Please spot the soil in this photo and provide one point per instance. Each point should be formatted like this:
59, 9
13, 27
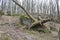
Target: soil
19, 34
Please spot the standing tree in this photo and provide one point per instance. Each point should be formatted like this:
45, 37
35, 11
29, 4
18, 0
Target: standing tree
2, 6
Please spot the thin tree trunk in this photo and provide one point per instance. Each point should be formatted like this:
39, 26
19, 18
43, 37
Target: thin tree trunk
57, 8
2, 6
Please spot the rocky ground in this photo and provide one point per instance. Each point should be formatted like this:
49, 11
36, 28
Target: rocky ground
9, 32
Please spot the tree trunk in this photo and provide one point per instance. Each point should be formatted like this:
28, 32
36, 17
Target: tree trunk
57, 8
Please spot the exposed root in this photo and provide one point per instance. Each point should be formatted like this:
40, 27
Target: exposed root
39, 24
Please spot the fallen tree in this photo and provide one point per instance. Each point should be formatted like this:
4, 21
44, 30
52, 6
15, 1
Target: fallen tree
36, 22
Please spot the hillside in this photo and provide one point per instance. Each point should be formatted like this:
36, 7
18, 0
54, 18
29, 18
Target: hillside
8, 31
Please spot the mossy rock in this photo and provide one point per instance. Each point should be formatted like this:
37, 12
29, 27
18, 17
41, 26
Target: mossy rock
25, 20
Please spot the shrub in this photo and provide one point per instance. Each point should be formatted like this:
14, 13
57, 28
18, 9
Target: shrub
1, 13
8, 14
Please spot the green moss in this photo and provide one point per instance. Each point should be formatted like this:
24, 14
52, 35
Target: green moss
53, 29
5, 38
15, 14
42, 30
31, 32
47, 31
24, 16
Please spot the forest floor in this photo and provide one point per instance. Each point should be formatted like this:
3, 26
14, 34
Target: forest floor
9, 31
